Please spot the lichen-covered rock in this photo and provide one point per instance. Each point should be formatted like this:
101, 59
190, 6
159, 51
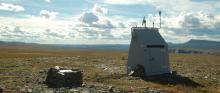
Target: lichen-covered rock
61, 77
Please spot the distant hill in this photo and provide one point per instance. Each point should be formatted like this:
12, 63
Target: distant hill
15, 43
62, 46
197, 44
84, 46
202, 44
192, 44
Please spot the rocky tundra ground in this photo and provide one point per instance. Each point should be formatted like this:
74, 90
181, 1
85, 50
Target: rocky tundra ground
105, 71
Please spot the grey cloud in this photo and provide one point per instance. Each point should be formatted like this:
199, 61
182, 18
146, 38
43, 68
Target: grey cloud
93, 27
92, 33
121, 25
48, 14
11, 7
89, 18
201, 25
196, 25
92, 20
205, 31
99, 9
16, 33
191, 21
105, 25
17, 29
53, 34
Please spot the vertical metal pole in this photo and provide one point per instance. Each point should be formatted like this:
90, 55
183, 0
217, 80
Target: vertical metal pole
160, 18
153, 24
144, 22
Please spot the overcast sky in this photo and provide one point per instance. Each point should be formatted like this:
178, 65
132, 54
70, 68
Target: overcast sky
106, 21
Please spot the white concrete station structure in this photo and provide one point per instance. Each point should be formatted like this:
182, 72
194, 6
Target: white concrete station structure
148, 50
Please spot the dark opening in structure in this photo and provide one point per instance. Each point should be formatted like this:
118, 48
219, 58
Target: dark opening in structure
155, 46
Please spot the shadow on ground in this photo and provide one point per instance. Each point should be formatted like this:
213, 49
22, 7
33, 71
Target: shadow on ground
165, 79
172, 79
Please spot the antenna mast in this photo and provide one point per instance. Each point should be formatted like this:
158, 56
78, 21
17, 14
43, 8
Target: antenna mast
160, 18
144, 22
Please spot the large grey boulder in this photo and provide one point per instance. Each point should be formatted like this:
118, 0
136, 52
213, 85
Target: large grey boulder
61, 77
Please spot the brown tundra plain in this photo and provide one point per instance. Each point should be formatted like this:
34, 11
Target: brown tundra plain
23, 69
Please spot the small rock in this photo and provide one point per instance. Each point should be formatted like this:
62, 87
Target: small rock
84, 84
22, 90
40, 81
41, 71
74, 91
151, 90
110, 88
86, 91
48, 91
105, 68
26, 86
29, 90
91, 86
28, 81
